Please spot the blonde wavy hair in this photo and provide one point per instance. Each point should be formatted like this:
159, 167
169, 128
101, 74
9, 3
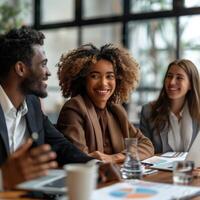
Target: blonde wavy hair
74, 66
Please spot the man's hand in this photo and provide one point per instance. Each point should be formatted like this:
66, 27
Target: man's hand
26, 164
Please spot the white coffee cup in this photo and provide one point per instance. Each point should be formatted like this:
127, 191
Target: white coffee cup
81, 181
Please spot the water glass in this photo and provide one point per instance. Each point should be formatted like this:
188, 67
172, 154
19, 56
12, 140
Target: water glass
131, 168
182, 172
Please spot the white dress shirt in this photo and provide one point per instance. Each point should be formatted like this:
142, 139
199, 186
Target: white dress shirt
15, 121
180, 131
174, 135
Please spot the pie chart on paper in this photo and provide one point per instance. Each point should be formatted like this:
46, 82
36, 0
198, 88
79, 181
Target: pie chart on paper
131, 193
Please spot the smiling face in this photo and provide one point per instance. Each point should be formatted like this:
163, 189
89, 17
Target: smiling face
177, 83
35, 82
101, 82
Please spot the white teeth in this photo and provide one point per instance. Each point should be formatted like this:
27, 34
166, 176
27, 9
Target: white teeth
172, 89
102, 91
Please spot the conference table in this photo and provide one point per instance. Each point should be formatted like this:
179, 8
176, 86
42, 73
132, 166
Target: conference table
160, 176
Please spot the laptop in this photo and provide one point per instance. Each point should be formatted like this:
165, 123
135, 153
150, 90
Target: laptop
194, 152
166, 160
158, 162
53, 183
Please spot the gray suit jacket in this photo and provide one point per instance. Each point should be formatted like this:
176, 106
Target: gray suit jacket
160, 141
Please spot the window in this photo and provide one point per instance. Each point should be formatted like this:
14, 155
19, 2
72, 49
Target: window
57, 42
193, 3
27, 14
57, 11
155, 31
101, 8
138, 6
190, 39
153, 48
101, 34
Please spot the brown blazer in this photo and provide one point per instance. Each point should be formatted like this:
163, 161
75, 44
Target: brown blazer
79, 123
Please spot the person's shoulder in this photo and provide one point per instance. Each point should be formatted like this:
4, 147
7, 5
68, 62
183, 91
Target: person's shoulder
147, 108
75, 103
118, 108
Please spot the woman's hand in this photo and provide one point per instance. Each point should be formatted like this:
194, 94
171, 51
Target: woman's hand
114, 158
109, 172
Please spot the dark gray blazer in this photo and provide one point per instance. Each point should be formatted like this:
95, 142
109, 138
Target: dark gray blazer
38, 122
160, 141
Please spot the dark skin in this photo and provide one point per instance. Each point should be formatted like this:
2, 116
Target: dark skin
26, 164
23, 79
109, 172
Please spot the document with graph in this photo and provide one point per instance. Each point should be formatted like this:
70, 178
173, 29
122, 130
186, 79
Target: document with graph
139, 190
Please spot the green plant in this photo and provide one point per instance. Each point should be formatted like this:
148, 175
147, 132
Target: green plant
11, 15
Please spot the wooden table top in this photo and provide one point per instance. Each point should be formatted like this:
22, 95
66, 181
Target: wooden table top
160, 176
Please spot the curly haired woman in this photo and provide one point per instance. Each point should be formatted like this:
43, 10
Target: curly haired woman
98, 81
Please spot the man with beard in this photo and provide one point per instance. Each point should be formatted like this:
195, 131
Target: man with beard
23, 76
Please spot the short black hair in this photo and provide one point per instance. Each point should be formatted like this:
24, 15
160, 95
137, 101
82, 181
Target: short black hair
16, 45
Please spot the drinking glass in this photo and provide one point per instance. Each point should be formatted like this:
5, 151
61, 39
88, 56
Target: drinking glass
131, 168
182, 172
